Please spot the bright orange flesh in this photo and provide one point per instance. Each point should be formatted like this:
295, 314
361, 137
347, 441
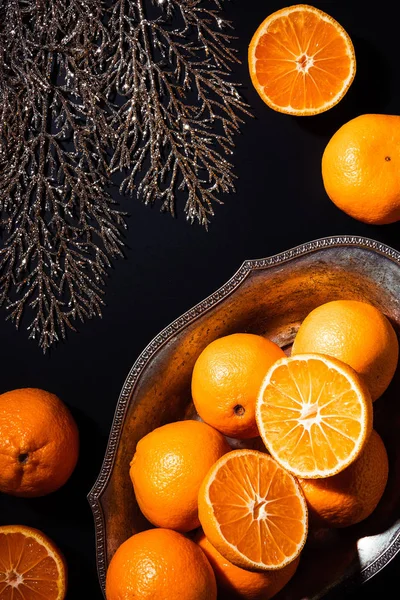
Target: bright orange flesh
31, 567
301, 60
314, 414
253, 511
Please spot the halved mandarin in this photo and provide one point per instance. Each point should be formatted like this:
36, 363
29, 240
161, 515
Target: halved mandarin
31, 566
314, 414
253, 511
301, 60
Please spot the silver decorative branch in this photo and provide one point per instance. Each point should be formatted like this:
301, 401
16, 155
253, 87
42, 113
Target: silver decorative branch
148, 81
180, 111
60, 227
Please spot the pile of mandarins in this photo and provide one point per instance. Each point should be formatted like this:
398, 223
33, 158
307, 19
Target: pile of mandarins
235, 521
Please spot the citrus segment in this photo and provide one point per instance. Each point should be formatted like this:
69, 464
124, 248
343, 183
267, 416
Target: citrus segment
314, 414
301, 60
31, 567
253, 511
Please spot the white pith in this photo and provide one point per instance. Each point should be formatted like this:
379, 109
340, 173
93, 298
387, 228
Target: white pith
13, 579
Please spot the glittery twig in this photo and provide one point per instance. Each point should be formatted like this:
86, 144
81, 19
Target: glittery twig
60, 227
148, 81
175, 127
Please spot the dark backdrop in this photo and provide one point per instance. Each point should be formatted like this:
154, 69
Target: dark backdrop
171, 265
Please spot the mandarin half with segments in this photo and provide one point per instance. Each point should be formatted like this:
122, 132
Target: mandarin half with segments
31, 566
301, 60
253, 511
314, 414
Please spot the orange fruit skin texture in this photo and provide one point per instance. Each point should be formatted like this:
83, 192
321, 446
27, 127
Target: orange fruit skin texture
353, 494
39, 442
160, 564
356, 333
168, 468
34, 558
361, 168
226, 379
235, 583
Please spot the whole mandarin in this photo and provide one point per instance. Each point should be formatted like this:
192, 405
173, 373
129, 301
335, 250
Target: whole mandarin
361, 168
168, 468
353, 494
235, 583
160, 564
226, 380
39, 442
356, 333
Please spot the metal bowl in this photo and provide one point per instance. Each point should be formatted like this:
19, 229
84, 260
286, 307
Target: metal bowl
271, 297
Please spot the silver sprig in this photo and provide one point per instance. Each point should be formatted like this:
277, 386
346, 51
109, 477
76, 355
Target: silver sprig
60, 227
170, 60
65, 66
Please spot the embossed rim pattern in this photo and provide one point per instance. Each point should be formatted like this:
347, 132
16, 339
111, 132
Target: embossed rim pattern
168, 332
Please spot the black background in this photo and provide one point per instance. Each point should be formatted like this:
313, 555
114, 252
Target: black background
171, 265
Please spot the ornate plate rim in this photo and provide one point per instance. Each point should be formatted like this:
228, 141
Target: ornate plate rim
94, 495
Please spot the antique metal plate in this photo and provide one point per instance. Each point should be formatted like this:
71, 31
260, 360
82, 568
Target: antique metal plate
271, 297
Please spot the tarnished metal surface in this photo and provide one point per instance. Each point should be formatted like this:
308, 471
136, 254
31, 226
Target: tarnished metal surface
270, 297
